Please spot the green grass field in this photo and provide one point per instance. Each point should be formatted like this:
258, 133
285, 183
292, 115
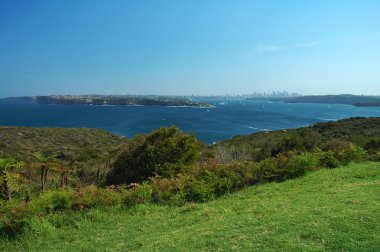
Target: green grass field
335, 210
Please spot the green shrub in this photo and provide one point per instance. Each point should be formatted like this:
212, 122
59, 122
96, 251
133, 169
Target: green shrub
139, 194
327, 159
51, 201
372, 146
280, 168
218, 184
287, 143
302, 140
204, 183
306, 162
14, 215
228, 177
355, 153
198, 191
169, 190
243, 173
92, 196
375, 157
344, 151
13, 218
165, 152
266, 171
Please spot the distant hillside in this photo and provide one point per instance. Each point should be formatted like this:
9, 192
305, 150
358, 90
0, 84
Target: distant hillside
355, 100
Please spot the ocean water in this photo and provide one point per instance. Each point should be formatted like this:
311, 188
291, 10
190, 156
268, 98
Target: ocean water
229, 117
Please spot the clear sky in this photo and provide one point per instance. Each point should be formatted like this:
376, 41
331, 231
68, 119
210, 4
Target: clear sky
189, 47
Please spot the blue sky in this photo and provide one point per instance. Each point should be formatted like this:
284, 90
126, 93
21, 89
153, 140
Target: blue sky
189, 47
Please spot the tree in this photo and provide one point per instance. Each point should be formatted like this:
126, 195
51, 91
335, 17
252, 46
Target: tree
7, 166
42, 163
46, 163
165, 152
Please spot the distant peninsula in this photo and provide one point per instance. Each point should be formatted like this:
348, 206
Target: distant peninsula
113, 100
348, 99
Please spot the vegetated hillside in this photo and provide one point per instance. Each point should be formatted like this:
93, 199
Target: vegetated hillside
170, 167
79, 155
327, 210
73, 143
258, 146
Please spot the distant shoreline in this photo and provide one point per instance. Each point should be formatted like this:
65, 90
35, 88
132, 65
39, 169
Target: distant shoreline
111, 100
354, 100
173, 101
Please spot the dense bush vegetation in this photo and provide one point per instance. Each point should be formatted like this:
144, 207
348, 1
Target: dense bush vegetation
258, 146
74, 144
81, 156
171, 167
165, 152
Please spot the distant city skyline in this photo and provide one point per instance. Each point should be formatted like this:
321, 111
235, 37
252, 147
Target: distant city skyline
272, 93
189, 48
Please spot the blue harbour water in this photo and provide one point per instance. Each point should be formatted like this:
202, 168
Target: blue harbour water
229, 117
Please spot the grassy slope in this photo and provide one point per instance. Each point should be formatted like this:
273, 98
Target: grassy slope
325, 210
